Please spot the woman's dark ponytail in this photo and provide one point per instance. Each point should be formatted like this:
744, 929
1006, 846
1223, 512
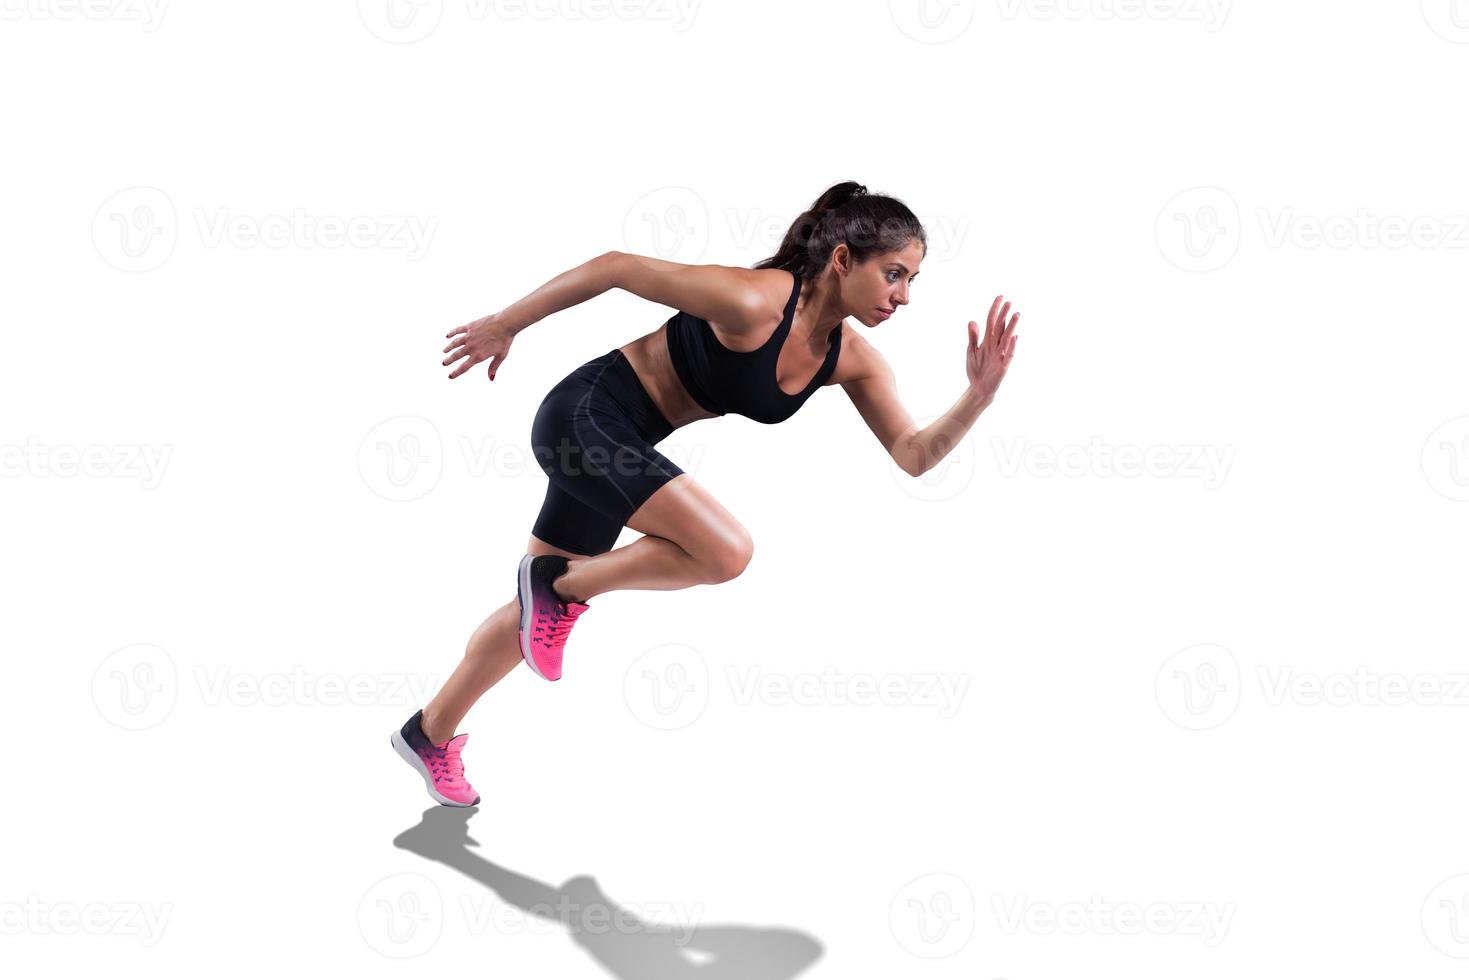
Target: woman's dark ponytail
845, 213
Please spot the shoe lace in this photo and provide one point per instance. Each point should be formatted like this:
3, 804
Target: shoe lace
557, 626
447, 764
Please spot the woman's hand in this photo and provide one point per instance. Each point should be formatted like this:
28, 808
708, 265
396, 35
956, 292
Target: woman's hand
988, 361
489, 336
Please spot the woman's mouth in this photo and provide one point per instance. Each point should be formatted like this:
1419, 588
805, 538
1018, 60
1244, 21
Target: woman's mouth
884, 314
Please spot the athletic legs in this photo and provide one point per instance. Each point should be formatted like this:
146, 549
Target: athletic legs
689, 539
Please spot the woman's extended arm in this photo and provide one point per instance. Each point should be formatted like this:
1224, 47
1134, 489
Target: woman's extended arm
918, 450
490, 336
728, 294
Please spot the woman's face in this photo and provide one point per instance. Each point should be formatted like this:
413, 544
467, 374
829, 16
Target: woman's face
874, 289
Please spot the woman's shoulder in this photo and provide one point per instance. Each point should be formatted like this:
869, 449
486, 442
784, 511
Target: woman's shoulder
856, 359
771, 290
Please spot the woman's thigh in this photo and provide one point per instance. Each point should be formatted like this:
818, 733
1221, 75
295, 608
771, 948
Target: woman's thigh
686, 513
598, 457
594, 436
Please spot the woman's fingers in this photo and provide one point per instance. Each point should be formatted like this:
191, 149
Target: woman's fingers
1008, 331
455, 343
470, 360
462, 329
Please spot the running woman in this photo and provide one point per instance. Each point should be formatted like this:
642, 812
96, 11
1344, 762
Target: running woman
754, 342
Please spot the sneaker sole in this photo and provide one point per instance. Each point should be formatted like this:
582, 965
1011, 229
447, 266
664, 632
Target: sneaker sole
522, 592
411, 757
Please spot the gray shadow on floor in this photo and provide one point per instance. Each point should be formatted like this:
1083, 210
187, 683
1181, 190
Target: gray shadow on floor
625, 945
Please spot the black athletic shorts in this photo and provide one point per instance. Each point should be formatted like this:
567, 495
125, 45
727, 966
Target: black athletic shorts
593, 436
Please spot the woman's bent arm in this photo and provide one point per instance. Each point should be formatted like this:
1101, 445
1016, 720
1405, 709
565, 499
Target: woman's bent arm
918, 450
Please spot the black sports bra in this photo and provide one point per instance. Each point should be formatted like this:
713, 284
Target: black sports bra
743, 382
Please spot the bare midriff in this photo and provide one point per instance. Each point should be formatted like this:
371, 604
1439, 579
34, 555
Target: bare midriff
649, 358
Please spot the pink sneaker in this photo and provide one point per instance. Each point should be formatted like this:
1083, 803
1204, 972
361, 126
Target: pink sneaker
545, 618
440, 766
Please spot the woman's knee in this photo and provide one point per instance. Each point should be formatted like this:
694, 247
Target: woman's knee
730, 556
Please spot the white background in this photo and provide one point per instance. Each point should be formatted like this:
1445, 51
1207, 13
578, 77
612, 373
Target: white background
1178, 687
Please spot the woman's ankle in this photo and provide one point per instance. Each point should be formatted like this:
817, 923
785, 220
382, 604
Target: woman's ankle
428, 723
567, 585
